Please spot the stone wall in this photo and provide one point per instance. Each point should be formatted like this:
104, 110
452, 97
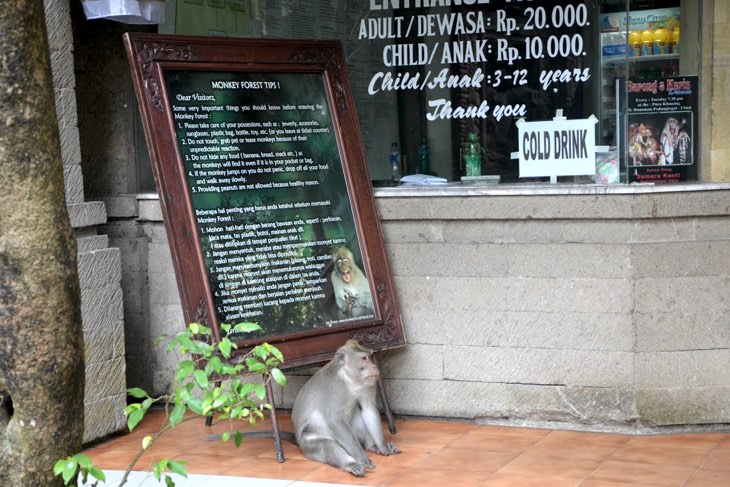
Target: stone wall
608, 310
99, 265
599, 311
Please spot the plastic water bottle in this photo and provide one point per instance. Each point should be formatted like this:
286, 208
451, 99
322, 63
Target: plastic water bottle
472, 155
395, 171
423, 162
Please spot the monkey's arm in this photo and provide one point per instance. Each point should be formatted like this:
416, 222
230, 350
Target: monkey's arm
372, 431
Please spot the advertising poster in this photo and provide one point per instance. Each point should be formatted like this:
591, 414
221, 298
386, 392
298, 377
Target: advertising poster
662, 129
270, 199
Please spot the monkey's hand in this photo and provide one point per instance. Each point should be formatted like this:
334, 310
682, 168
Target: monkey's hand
389, 449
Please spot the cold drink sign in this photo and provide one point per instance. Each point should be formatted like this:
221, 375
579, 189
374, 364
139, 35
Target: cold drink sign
559, 147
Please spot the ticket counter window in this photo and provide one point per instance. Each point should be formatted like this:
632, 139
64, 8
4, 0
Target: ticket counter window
433, 80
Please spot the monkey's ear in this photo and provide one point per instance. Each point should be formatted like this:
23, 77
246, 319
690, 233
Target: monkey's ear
340, 357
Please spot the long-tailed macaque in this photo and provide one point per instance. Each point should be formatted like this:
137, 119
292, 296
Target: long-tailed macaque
350, 286
335, 415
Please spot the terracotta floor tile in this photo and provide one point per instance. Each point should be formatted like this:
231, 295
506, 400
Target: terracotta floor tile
462, 459
661, 454
270, 469
438, 478
706, 441
382, 474
561, 439
444, 453
709, 478
643, 473
506, 480
406, 458
579, 445
543, 464
606, 483
447, 428
718, 459
516, 431
485, 439
725, 444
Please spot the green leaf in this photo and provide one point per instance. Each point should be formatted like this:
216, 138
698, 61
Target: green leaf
201, 378
246, 327
70, 467
137, 392
277, 353
177, 467
261, 351
134, 418
177, 414
82, 460
257, 368
195, 405
225, 347
97, 473
169, 482
220, 401
215, 364
157, 468
260, 391
130, 408
226, 436
194, 327
238, 438
58, 467
278, 376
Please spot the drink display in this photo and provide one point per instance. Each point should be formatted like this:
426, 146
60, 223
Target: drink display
634, 43
661, 41
647, 42
651, 41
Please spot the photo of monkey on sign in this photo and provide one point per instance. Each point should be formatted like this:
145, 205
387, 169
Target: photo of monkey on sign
335, 414
350, 286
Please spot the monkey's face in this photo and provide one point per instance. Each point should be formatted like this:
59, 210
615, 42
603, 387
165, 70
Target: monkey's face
367, 370
343, 264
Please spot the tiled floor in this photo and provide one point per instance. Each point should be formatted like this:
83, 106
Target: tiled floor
441, 453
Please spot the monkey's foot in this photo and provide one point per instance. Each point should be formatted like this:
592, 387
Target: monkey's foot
358, 469
390, 449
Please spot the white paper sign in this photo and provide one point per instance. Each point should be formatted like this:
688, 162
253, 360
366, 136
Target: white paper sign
558, 147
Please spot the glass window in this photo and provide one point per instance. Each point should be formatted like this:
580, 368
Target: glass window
432, 78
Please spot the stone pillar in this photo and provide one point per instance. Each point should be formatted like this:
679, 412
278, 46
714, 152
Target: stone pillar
99, 265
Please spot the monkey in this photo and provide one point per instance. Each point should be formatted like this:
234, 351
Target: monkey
350, 286
335, 415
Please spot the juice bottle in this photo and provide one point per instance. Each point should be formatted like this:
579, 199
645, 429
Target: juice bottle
634, 43
660, 43
647, 42
674, 40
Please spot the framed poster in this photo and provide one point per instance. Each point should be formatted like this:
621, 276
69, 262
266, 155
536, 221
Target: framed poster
264, 187
662, 129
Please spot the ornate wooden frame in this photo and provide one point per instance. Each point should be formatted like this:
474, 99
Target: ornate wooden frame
150, 57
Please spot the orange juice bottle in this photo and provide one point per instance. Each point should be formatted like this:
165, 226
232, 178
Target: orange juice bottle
661, 41
647, 42
674, 40
634, 43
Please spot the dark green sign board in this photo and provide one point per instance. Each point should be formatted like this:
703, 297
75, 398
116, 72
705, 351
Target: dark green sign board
267, 201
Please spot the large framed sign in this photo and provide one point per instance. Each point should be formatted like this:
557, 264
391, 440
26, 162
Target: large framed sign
258, 160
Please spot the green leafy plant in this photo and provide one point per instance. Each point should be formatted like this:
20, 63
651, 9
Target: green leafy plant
209, 383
